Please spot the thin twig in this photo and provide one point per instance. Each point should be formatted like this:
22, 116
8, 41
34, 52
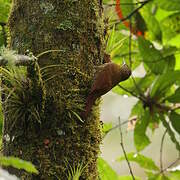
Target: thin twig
132, 13
126, 54
132, 93
161, 150
130, 59
170, 132
127, 90
117, 126
137, 87
172, 164
135, 10
128, 4
130, 40
122, 145
153, 61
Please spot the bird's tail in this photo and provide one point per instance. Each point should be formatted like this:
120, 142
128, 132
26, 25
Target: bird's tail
89, 103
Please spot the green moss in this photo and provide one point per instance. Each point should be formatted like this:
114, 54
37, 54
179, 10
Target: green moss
66, 25
46, 7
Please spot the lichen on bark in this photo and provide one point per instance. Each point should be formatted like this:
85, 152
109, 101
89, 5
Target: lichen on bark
73, 32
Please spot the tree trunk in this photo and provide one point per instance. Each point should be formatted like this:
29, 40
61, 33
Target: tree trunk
46, 129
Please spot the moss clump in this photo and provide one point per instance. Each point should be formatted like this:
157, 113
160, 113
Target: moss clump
66, 25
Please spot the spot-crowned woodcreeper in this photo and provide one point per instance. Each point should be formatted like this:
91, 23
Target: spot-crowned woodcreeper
106, 77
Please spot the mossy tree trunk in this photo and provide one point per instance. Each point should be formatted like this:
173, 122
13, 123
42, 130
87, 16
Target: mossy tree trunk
74, 30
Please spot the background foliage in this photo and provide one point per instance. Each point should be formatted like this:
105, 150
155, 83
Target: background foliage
158, 91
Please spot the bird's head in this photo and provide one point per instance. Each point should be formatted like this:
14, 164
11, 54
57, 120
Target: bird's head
125, 72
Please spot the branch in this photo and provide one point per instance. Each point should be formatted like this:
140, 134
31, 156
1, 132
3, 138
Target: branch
125, 155
175, 107
172, 164
130, 42
132, 13
19, 60
23, 60
146, 100
126, 54
166, 108
128, 4
135, 10
161, 150
139, 89
132, 93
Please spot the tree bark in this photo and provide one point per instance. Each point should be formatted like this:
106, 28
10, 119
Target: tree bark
73, 31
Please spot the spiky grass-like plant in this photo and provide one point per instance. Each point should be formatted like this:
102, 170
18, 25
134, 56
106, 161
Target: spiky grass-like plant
75, 171
18, 100
22, 92
74, 105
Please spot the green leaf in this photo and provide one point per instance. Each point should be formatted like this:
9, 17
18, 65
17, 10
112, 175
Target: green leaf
151, 56
105, 170
152, 176
126, 10
169, 51
106, 127
123, 52
168, 5
140, 138
161, 14
140, 159
137, 109
159, 177
163, 177
4, 10
175, 121
177, 67
1, 37
170, 26
115, 43
128, 178
170, 63
106, 1
111, 40
154, 30
158, 61
128, 84
175, 41
116, 47
164, 82
175, 175
77, 116
18, 163
175, 98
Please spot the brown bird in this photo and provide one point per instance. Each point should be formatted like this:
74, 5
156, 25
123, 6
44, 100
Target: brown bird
106, 77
